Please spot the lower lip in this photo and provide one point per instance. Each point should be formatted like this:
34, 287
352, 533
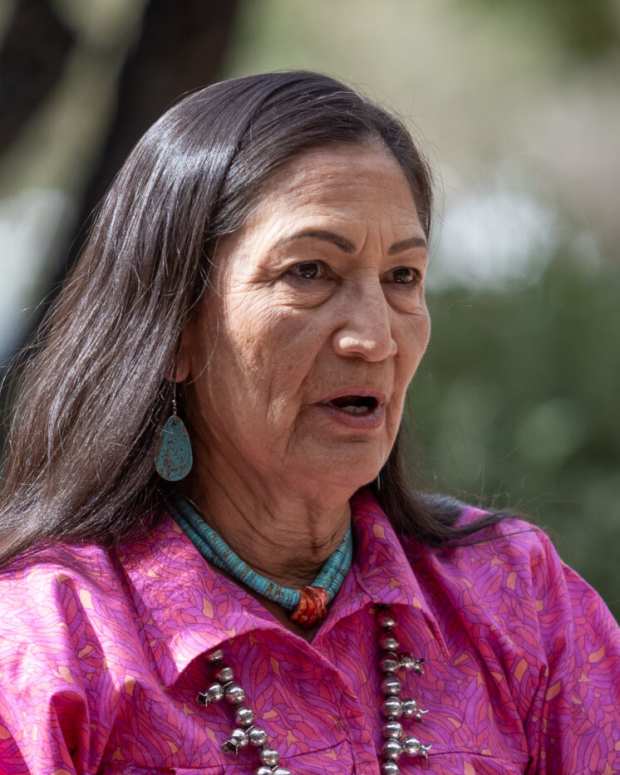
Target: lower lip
369, 421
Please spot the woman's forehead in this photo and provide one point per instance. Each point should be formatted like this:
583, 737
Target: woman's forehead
325, 168
333, 182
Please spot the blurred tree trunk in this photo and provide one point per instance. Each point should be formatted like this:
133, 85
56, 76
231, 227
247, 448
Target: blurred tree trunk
180, 47
36, 46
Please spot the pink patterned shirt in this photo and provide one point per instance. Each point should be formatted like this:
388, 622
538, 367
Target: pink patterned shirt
102, 654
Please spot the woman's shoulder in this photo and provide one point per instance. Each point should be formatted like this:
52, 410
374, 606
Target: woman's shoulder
57, 585
481, 532
59, 563
69, 643
510, 568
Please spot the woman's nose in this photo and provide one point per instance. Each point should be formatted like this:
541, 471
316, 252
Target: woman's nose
367, 330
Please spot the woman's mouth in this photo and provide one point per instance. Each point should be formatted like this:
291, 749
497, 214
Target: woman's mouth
363, 412
355, 405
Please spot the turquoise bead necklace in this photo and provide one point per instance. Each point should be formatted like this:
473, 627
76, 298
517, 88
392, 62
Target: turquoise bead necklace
214, 549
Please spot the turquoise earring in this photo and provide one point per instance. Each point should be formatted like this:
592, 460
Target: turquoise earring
174, 458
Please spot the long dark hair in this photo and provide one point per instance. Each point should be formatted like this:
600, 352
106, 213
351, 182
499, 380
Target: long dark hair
92, 396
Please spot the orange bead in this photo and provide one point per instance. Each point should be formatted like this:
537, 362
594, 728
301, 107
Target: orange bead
312, 607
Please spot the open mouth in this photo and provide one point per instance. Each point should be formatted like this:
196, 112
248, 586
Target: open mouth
354, 405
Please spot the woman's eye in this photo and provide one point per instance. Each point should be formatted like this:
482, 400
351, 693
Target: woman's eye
405, 275
308, 270
317, 270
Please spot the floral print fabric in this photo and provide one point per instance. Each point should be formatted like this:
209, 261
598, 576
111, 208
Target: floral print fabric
102, 654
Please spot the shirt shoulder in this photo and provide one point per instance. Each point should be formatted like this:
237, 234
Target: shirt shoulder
509, 542
509, 577
67, 641
61, 611
549, 645
29, 581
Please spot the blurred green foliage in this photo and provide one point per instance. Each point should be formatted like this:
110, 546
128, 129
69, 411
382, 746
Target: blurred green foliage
586, 31
516, 406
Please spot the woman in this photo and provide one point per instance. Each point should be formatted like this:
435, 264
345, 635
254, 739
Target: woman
262, 592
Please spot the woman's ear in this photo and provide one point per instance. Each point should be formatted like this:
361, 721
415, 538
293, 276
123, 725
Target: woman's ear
182, 368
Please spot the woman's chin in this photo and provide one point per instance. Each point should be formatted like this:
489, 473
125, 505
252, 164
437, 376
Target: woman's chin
341, 478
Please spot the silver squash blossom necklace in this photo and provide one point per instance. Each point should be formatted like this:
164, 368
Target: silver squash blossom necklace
310, 607
394, 709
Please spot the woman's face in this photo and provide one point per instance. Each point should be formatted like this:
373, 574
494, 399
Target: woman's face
301, 353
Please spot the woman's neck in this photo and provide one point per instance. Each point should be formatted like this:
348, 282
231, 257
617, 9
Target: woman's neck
281, 537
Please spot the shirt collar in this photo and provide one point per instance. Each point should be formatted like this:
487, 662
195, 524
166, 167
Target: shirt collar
384, 573
186, 607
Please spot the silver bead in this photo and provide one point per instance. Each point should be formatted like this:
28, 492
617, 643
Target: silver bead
240, 736
387, 621
213, 693
237, 740
390, 768
262, 770
216, 656
389, 643
269, 757
281, 771
408, 662
389, 664
392, 749
391, 686
225, 675
411, 709
257, 736
393, 729
244, 717
392, 707
413, 747
234, 694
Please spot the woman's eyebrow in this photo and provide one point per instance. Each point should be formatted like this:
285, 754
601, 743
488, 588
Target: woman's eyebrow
344, 244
